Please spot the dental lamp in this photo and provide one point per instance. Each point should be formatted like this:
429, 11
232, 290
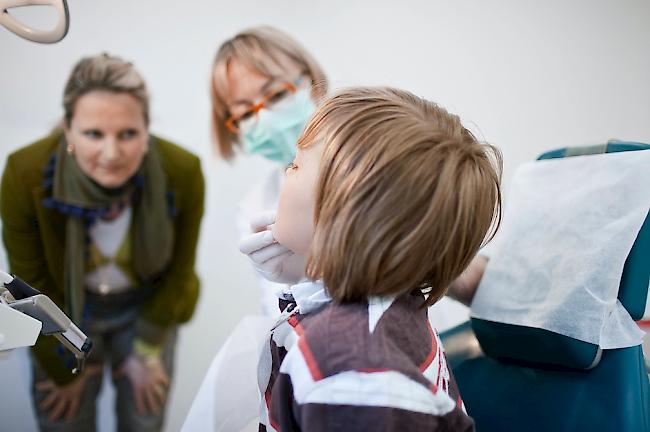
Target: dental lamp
41, 36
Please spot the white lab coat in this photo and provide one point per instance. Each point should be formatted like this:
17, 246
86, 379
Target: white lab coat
264, 196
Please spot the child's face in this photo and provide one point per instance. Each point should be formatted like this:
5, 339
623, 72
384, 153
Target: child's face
294, 224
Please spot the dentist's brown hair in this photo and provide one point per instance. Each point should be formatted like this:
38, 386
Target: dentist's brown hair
405, 198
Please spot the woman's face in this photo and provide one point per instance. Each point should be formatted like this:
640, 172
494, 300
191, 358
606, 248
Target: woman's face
108, 136
247, 86
294, 223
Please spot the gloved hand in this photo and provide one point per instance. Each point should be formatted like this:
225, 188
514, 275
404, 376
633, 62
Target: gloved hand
269, 258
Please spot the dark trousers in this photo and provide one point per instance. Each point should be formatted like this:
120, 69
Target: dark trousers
110, 325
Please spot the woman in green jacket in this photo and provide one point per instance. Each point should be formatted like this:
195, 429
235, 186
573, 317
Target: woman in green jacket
104, 218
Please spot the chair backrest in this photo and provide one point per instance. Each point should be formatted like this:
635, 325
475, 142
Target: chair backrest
633, 289
545, 349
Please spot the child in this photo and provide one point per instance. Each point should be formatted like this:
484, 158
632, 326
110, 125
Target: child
390, 197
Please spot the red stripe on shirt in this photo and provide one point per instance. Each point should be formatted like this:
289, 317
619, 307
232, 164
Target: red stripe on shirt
267, 399
434, 348
293, 322
440, 369
309, 358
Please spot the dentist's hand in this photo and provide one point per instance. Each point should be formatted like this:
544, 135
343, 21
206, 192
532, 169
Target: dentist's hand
269, 258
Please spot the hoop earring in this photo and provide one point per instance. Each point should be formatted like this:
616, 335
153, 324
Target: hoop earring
70, 149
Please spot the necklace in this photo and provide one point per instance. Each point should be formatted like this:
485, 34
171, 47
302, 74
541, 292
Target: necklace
104, 270
106, 261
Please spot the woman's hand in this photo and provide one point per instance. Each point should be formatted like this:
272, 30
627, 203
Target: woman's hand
149, 381
63, 401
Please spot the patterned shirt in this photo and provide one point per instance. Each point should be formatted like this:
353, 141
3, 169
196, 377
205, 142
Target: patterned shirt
371, 366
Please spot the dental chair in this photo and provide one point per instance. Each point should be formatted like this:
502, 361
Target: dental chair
515, 378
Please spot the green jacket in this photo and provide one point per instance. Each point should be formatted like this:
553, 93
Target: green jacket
34, 237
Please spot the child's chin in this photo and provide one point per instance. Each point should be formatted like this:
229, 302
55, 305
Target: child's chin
290, 239
280, 235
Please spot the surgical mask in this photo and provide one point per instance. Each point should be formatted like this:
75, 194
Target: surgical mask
276, 131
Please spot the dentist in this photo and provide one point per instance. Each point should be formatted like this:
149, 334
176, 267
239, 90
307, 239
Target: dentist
264, 88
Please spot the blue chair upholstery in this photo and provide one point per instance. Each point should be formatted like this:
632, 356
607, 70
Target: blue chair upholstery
536, 380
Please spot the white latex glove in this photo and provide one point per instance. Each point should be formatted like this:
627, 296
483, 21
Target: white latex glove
269, 258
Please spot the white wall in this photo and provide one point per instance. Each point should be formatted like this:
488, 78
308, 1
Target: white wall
528, 75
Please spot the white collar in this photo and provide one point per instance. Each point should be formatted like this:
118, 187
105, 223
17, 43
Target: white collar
308, 295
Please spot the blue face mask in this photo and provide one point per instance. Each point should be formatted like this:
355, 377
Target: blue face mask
276, 130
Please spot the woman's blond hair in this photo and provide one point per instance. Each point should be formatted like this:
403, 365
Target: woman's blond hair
265, 50
405, 197
108, 73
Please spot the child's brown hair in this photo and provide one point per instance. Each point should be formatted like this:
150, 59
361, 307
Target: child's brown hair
405, 198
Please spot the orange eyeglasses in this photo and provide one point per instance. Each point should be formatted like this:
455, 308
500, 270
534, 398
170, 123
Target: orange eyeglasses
271, 100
